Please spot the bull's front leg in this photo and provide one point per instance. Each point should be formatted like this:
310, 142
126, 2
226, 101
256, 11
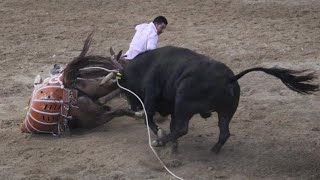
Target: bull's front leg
149, 102
178, 127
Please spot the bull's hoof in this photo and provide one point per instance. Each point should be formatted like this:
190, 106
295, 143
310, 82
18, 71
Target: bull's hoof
216, 149
139, 114
161, 133
157, 143
174, 148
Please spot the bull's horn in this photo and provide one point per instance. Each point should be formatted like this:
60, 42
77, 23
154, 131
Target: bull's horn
107, 78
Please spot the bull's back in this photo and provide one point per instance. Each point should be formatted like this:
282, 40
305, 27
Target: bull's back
169, 67
173, 61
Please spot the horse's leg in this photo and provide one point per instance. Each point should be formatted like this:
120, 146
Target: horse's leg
92, 88
86, 112
108, 97
88, 86
109, 115
91, 114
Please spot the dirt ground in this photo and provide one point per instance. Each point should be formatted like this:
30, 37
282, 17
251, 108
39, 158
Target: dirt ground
275, 132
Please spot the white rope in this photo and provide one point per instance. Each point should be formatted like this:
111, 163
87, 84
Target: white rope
144, 110
108, 70
116, 71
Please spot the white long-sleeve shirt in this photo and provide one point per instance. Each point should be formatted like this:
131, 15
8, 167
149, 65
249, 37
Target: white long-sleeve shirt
145, 38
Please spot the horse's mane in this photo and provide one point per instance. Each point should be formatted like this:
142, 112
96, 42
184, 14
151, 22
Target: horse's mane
72, 70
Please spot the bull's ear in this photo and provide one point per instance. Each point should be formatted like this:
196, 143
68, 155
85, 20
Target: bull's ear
112, 52
119, 55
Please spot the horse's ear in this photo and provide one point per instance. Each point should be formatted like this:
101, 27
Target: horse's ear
112, 52
119, 55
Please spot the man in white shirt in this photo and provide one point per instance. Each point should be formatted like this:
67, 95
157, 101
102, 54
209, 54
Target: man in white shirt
146, 37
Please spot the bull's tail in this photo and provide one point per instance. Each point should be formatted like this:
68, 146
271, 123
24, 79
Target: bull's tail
296, 80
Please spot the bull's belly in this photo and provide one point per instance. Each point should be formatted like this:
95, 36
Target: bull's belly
164, 108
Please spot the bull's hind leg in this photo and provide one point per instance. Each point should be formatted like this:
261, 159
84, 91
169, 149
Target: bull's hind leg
224, 120
227, 106
174, 147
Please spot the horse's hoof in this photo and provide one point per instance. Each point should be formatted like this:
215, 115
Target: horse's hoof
161, 133
37, 80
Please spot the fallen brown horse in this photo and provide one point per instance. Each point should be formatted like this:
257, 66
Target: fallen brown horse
76, 97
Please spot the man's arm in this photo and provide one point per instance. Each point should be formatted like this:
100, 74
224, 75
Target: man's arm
152, 43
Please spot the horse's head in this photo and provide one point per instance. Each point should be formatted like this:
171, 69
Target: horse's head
114, 56
118, 58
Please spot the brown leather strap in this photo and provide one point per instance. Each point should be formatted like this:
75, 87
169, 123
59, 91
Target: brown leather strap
69, 98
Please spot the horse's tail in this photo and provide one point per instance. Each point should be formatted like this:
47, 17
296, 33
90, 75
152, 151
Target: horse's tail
71, 71
86, 45
296, 80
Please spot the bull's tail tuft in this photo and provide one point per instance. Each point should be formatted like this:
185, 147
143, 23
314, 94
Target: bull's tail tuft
300, 81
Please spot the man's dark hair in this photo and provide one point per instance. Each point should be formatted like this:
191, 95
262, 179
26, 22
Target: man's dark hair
160, 19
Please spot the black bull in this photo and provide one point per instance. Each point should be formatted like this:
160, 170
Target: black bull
182, 83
